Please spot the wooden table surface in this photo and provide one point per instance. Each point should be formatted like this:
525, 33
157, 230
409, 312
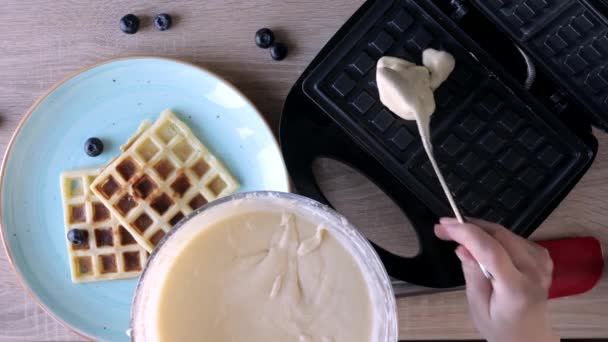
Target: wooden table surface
42, 41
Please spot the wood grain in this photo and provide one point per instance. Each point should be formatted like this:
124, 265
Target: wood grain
43, 41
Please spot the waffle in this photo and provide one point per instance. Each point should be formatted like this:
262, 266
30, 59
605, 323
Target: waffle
110, 252
163, 174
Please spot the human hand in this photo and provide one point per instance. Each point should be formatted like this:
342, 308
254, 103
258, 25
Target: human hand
512, 307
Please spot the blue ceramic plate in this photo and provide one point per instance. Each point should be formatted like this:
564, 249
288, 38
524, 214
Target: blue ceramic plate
109, 101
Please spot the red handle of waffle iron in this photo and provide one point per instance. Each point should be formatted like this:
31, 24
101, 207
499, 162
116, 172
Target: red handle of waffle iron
578, 265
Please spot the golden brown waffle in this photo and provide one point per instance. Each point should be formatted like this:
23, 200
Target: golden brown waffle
111, 252
163, 174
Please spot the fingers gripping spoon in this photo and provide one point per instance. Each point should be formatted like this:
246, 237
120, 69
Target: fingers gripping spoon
407, 90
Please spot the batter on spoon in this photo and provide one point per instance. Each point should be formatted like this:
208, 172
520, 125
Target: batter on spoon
407, 90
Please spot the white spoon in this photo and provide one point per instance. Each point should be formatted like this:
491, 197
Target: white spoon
407, 90
424, 124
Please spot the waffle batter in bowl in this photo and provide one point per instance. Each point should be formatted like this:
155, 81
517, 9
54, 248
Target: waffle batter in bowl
264, 267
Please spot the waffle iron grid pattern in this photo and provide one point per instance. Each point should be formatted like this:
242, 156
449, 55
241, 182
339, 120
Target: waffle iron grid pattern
165, 174
498, 156
110, 252
495, 161
568, 37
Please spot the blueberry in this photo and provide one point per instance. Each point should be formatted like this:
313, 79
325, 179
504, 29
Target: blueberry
278, 51
264, 38
129, 24
93, 147
78, 236
162, 21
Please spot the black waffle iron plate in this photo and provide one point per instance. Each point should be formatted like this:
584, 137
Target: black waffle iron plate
512, 130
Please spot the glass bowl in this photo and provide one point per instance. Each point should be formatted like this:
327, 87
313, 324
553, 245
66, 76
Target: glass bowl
379, 285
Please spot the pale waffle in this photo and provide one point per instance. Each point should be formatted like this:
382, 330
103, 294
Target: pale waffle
163, 174
110, 251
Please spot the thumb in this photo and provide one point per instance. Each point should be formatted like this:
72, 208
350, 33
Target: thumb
478, 287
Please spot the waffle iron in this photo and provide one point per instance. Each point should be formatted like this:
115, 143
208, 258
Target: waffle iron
512, 130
